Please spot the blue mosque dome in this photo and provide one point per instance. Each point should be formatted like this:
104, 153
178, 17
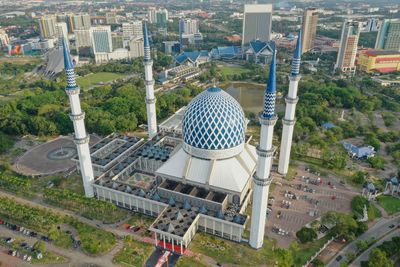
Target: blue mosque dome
214, 121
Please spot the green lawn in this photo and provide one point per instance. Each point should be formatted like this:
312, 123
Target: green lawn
95, 78
307, 250
232, 70
228, 252
390, 204
186, 261
49, 258
134, 253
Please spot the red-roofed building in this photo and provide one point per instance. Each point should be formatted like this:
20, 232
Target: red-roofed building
381, 61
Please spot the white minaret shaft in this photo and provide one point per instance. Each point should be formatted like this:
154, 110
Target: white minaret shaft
77, 116
149, 83
289, 120
265, 151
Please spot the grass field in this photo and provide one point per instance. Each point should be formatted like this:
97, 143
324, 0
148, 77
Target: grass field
186, 261
390, 204
94, 78
222, 250
133, 253
232, 70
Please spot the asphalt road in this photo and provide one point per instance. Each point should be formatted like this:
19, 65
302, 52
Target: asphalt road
364, 256
377, 231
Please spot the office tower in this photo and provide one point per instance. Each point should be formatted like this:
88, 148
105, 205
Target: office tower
101, 39
289, 120
47, 25
4, 40
111, 18
78, 116
152, 15
309, 29
188, 26
132, 29
257, 22
389, 35
348, 47
136, 47
61, 30
262, 178
82, 38
149, 83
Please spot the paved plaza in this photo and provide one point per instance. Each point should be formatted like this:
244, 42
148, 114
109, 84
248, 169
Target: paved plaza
301, 200
49, 158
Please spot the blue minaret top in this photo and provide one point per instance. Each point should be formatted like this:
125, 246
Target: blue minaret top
270, 90
297, 57
146, 43
69, 67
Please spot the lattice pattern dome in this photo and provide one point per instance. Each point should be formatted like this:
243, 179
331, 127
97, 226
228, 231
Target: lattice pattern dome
214, 121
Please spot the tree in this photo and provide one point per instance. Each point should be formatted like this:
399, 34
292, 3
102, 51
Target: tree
358, 178
40, 245
357, 205
378, 258
377, 162
283, 257
306, 235
5, 143
318, 263
362, 245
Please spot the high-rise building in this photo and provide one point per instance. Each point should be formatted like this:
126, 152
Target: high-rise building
309, 29
4, 40
371, 25
101, 39
152, 15
136, 48
265, 151
82, 38
289, 119
389, 35
111, 18
78, 118
47, 25
132, 29
78, 21
188, 26
257, 23
162, 21
346, 57
61, 30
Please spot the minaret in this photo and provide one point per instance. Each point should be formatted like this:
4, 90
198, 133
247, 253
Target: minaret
265, 151
149, 82
77, 116
289, 120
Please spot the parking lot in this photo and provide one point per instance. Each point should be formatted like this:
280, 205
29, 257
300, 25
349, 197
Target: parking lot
299, 201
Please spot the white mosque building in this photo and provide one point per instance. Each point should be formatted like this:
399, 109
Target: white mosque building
197, 170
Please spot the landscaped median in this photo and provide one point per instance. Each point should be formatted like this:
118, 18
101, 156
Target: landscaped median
94, 241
